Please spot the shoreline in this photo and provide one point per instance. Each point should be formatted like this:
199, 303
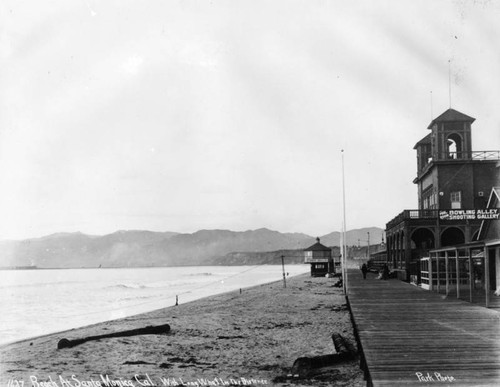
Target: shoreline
255, 335
137, 292
20, 341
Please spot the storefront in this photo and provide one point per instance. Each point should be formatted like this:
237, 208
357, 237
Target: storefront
471, 271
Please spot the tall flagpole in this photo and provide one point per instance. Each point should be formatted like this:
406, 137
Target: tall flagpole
344, 250
342, 255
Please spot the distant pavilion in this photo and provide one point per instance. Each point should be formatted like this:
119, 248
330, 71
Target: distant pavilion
320, 258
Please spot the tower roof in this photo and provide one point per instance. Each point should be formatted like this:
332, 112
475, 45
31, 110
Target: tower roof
451, 115
317, 247
425, 140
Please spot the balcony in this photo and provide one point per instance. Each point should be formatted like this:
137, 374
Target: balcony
491, 155
468, 155
412, 214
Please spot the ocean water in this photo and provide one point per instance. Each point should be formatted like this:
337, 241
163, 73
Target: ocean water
38, 302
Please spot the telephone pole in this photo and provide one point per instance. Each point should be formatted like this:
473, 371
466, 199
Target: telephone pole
368, 252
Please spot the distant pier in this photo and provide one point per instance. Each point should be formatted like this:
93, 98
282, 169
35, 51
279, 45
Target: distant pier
19, 268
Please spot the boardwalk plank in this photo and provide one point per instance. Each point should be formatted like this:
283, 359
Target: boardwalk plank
408, 334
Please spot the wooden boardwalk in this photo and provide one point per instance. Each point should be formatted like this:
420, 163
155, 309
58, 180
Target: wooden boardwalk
411, 336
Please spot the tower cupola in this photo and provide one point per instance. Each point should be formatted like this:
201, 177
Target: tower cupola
451, 136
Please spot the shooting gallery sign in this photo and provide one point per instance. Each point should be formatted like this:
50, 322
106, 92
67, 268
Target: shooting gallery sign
490, 214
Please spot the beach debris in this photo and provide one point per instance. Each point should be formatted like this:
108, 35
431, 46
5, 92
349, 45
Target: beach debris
338, 284
317, 306
149, 330
230, 337
307, 366
343, 347
180, 362
339, 308
137, 362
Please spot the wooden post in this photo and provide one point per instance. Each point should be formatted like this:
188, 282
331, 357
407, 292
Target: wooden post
447, 272
283, 267
368, 250
497, 271
438, 274
430, 272
487, 276
471, 276
458, 273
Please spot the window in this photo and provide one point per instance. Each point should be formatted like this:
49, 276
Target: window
433, 200
456, 200
429, 198
454, 145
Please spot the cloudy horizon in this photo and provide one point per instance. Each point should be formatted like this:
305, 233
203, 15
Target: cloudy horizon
189, 115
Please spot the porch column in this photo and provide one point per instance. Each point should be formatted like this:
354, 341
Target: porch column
457, 266
471, 275
438, 287
398, 249
430, 272
447, 272
497, 267
487, 275
407, 252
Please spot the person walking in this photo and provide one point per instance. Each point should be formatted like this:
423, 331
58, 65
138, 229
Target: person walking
364, 270
385, 272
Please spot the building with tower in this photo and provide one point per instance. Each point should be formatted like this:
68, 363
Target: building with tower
454, 185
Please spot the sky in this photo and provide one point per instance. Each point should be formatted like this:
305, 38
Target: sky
188, 115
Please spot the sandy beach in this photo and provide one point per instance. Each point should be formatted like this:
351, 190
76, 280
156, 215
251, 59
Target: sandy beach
247, 338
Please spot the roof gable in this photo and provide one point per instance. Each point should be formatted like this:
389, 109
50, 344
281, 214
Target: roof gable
451, 115
425, 140
318, 247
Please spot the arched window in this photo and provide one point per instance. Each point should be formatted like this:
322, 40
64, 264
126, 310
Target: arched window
452, 236
454, 146
423, 239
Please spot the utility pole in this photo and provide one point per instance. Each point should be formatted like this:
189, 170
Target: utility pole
283, 267
344, 244
368, 252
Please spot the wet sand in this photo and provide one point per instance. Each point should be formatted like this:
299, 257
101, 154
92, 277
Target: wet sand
247, 338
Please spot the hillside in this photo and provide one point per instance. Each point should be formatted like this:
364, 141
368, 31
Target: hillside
147, 248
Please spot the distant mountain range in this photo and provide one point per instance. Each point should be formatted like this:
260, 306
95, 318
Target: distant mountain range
147, 248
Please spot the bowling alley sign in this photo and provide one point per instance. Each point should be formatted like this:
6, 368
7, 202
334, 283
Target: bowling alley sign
485, 214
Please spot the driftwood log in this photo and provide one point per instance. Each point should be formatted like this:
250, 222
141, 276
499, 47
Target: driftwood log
305, 366
343, 347
149, 330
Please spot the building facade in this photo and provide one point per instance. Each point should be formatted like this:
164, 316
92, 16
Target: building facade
453, 184
320, 259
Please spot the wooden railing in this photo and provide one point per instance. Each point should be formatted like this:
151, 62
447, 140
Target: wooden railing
462, 156
412, 214
469, 155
